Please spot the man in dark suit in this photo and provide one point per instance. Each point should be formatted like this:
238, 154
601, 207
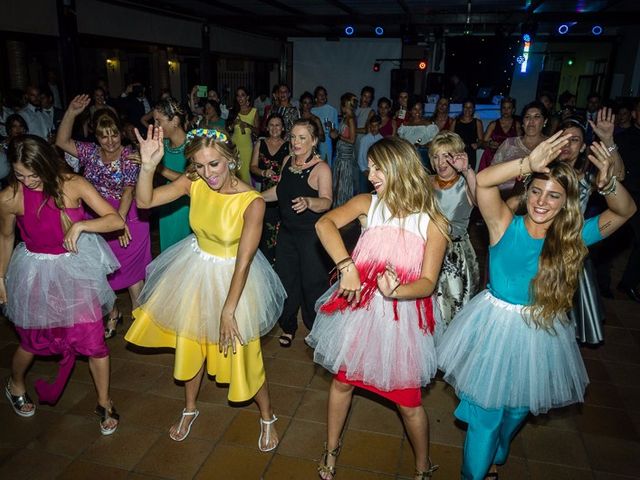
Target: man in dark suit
54, 114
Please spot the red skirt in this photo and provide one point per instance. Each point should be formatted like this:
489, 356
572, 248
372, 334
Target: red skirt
406, 397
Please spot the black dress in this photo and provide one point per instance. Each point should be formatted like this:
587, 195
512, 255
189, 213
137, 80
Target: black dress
267, 161
301, 262
469, 134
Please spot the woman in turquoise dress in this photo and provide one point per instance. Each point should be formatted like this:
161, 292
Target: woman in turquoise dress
511, 350
174, 217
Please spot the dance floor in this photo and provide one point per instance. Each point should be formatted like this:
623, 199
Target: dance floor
597, 440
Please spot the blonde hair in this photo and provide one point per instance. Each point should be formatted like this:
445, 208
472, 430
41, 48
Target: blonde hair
408, 188
449, 141
225, 148
563, 252
106, 123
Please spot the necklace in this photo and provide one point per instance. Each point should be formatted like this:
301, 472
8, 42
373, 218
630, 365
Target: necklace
298, 169
444, 184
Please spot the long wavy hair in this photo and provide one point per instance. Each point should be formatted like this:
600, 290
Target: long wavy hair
563, 252
408, 187
225, 148
42, 159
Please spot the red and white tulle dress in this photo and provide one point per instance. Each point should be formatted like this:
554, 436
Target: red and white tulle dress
383, 345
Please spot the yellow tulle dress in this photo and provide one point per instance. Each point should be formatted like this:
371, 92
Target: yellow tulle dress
187, 285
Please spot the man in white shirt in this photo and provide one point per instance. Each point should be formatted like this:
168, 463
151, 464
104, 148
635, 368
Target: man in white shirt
37, 121
367, 140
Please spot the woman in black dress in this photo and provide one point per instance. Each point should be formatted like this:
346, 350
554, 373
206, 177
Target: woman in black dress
268, 156
303, 193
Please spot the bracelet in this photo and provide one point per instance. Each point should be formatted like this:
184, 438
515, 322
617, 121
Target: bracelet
609, 188
612, 148
345, 266
344, 261
521, 175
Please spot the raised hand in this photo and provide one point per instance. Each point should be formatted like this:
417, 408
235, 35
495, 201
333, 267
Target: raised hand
459, 162
601, 158
604, 125
78, 104
151, 148
546, 152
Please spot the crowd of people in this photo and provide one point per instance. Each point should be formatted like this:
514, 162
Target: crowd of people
251, 202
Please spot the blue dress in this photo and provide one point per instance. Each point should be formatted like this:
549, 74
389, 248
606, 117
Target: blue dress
501, 366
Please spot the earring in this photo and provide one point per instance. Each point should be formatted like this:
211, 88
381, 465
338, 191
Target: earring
232, 165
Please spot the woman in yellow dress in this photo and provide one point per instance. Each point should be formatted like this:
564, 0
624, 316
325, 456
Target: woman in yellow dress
242, 123
212, 295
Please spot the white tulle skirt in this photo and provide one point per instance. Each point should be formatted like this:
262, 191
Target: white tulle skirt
186, 288
370, 346
493, 358
50, 291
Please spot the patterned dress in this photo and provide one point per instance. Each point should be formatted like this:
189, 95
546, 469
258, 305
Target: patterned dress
110, 180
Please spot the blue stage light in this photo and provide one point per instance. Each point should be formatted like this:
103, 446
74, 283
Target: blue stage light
563, 29
596, 30
526, 37
379, 31
349, 30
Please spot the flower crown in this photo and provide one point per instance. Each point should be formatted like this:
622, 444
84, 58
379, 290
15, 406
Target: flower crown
207, 132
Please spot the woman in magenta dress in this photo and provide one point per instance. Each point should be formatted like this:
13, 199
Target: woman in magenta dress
499, 130
56, 289
375, 327
110, 169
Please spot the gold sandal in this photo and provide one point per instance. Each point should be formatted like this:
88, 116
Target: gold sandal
428, 473
323, 468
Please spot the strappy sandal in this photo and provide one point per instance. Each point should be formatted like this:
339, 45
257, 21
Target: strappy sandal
265, 430
323, 468
285, 340
19, 401
111, 332
428, 473
105, 415
185, 414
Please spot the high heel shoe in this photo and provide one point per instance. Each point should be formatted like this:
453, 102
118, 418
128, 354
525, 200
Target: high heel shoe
112, 326
105, 415
427, 473
323, 468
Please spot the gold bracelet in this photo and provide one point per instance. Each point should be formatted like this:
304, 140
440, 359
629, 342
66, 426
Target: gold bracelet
346, 259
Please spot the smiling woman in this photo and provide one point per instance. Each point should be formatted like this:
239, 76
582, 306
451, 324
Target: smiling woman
229, 295
511, 350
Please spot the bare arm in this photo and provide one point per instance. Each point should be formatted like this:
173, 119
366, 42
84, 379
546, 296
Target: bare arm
604, 128
621, 206
7, 235
351, 127
328, 230
254, 168
323, 201
249, 240
63, 137
489, 132
424, 286
494, 210
271, 194
460, 163
151, 153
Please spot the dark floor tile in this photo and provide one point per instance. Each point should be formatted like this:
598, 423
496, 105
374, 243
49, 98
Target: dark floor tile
612, 455
80, 469
608, 422
33, 465
175, 460
234, 463
554, 446
123, 449
548, 471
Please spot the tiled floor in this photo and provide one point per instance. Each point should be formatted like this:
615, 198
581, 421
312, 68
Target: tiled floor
599, 440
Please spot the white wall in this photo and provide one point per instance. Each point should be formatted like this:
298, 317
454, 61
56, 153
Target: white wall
343, 66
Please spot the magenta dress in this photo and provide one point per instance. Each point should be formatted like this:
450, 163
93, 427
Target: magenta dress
57, 299
497, 136
110, 181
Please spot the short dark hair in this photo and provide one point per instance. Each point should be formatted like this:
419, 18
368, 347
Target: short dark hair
369, 89
375, 119
535, 104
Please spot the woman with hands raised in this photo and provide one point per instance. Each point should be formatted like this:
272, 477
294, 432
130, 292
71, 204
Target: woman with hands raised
212, 295
511, 350
54, 284
113, 170
375, 327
